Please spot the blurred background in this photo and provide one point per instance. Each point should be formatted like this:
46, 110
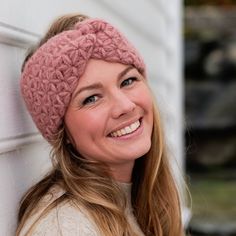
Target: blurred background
210, 113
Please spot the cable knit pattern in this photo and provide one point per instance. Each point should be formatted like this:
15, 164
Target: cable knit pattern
67, 220
52, 73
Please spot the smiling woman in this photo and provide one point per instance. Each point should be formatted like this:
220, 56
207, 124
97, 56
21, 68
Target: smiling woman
114, 118
86, 89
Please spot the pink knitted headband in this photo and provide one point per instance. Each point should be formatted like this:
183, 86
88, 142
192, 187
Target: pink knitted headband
51, 75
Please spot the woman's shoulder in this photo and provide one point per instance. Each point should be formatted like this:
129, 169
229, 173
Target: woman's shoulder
63, 219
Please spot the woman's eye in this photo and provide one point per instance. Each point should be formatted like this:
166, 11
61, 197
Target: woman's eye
128, 81
90, 99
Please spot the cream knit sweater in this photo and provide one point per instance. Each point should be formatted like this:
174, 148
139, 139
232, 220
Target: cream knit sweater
66, 220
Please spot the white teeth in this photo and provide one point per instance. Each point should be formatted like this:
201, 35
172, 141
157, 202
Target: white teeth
126, 130
123, 132
133, 126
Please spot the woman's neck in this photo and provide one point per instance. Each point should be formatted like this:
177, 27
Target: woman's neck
123, 173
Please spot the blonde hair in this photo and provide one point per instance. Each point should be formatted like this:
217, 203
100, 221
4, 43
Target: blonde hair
89, 184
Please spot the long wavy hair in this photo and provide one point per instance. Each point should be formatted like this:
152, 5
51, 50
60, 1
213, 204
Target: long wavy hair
88, 184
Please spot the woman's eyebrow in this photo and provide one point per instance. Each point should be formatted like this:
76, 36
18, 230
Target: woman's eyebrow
89, 87
125, 71
99, 85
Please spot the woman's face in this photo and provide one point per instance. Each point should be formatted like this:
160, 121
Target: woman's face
110, 117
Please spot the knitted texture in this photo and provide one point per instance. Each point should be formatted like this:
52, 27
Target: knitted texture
51, 75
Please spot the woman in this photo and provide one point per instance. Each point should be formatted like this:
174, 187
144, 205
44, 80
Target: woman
85, 87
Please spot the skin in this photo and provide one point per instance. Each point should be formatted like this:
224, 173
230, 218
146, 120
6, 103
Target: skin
109, 97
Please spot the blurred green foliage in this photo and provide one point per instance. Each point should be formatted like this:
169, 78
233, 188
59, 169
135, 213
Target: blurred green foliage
214, 200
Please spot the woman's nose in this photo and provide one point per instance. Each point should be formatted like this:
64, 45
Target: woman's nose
121, 104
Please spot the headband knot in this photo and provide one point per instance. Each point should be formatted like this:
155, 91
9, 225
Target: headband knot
52, 73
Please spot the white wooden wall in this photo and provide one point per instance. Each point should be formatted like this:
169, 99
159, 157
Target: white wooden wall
153, 26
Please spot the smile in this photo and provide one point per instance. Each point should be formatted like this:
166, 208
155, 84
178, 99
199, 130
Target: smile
126, 130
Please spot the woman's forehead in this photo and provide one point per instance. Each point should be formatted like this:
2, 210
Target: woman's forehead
98, 70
